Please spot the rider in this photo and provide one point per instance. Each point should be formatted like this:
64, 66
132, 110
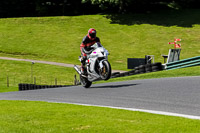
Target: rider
85, 46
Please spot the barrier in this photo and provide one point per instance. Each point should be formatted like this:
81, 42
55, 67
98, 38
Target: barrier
23, 87
154, 67
194, 61
135, 62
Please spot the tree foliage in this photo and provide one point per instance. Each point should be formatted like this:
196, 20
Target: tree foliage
18, 8
144, 5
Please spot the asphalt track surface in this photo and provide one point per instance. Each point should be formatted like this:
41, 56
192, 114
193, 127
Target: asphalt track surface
176, 95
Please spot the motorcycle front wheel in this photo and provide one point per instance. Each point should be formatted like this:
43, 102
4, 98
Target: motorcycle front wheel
105, 72
85, 82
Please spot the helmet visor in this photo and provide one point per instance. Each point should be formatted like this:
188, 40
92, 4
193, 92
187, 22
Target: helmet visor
93, 35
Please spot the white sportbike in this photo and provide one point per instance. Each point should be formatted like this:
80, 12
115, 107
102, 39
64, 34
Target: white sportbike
97, 65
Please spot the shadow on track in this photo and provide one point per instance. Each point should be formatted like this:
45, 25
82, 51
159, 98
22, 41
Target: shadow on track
114, 86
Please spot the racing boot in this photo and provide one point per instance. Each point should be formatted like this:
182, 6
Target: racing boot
83, 71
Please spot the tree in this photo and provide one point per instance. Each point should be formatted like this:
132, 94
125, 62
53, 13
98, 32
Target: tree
16, 8
143, 5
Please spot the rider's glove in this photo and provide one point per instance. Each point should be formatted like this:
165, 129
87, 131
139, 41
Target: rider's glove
83, 59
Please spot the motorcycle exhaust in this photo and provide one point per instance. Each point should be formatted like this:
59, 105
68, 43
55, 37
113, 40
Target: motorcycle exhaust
77, 69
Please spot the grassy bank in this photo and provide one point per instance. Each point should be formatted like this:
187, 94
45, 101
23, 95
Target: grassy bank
37, 117
125, 36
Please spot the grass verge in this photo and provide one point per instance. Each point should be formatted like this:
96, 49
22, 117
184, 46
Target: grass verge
37, 117
15, 72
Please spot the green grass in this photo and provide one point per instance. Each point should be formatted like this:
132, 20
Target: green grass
37, 117
125, 36
20, 72
58, 39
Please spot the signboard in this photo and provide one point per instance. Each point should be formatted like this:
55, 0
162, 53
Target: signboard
175, 43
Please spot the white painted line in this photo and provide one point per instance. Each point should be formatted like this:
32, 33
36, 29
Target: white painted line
140, 110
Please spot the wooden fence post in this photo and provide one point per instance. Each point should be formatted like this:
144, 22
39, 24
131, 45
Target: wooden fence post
55, 81
7, 81
34, 80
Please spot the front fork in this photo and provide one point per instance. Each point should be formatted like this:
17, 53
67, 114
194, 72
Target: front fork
101, 63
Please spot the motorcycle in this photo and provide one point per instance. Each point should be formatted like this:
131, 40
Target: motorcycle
97, 66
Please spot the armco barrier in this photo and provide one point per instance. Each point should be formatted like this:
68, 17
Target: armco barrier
23, 87
194, 61
154, 67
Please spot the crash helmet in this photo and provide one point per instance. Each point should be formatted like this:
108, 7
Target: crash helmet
92, 33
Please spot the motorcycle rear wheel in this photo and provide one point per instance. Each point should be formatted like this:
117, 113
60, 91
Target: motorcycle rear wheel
85, 82
105, 72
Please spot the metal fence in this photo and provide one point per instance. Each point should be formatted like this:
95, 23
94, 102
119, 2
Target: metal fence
194, 61
12, 81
